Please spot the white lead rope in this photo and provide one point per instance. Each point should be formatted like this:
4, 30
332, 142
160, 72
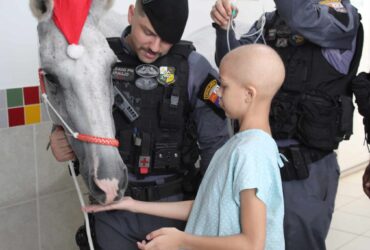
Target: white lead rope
72, 170
46, 100
87, 222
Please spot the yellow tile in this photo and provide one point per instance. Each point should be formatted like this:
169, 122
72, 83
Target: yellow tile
32, 114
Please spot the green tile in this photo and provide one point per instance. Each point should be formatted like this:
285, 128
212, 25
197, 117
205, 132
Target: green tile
15, 97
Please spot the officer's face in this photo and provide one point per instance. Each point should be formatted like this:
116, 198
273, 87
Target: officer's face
144, 40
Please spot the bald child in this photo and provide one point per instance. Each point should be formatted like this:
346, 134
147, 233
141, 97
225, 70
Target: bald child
239, 204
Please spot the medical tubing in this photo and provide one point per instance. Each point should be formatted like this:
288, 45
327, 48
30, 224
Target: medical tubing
259, 31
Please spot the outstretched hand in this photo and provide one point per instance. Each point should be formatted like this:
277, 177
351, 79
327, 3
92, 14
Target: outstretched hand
366, 181
126, 203
163, 239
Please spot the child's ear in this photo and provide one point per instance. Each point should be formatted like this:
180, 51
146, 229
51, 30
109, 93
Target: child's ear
250, 94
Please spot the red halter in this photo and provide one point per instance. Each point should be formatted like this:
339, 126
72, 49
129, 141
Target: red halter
82, 137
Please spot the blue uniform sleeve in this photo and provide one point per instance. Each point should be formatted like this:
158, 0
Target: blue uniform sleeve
212, 129
317, 23
314, 21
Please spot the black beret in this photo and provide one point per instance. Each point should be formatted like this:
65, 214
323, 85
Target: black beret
168, 17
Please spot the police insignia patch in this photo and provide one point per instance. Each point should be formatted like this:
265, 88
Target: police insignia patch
147, 70
281, 42
146, 83
297, 40
209, 92
335, 4
210, 89
166, 75
123, 74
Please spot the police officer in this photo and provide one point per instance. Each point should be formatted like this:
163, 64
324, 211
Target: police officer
320, 44
361, 90
163, 117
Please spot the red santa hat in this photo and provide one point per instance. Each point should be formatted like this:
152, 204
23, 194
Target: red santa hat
70, 16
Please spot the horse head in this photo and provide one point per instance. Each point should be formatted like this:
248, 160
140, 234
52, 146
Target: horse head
80, 89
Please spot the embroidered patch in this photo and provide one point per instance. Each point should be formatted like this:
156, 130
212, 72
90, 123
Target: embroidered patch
335, 4
166, 75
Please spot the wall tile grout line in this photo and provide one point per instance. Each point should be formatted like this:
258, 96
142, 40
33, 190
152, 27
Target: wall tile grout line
37, 186
41, 197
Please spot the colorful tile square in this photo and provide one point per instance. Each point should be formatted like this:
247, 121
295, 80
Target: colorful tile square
32, 114
2, 99
31, 95
14, 97
16, 116
4, 118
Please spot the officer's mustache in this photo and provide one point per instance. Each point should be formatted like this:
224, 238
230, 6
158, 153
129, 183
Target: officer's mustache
152, 52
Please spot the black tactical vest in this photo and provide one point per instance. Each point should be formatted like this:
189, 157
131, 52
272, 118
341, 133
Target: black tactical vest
314, 104
156, 135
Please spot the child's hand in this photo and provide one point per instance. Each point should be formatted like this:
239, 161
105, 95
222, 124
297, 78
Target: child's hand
126, 203
163, 239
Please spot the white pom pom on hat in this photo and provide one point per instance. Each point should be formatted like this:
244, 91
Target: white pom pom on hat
75, 51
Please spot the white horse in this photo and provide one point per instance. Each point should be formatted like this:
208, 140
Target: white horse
81, 91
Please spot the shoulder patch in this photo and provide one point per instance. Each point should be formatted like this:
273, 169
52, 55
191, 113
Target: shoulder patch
209, 93
337, 10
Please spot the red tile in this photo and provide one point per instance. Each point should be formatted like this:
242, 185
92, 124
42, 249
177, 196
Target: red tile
16, 116
31, 95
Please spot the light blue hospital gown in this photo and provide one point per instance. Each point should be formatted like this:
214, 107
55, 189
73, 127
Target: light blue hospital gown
250, 159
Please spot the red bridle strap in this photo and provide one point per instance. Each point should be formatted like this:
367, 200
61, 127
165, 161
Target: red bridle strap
82, 137
98, 140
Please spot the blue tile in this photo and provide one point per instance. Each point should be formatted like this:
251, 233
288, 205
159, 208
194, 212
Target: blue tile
3, 99
4, 118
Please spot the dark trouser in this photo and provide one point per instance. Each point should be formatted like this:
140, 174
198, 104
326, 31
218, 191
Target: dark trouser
120, 230
309, 205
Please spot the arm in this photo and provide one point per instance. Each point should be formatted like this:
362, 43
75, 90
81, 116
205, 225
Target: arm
212, 130
366, 181
253, 223
173, 210
319, 23
221, 14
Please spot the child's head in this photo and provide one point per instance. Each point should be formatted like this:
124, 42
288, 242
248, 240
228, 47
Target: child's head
250, 77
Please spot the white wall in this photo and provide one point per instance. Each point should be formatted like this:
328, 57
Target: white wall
19, 58
18, 45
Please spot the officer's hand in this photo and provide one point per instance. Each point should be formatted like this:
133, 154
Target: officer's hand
366, 181
126, 203
60, 147
221, 13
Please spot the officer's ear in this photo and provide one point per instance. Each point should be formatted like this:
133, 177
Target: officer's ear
131, 13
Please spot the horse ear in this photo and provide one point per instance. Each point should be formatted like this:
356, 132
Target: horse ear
99, 7
42, 9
